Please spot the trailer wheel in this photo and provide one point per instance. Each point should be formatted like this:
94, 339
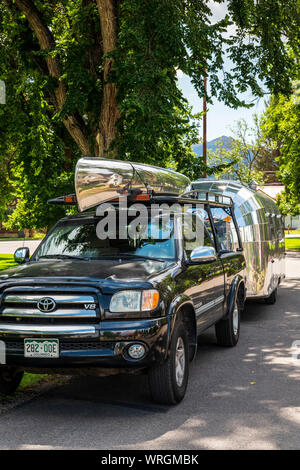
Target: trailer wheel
228, 330
168, 381
10, 379
272, 298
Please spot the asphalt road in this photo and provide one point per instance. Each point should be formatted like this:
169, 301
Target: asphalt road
241, 398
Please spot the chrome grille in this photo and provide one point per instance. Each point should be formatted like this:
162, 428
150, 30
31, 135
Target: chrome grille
58, 298
19, 306
72, 313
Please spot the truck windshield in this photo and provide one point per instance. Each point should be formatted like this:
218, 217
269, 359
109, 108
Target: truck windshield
79, 239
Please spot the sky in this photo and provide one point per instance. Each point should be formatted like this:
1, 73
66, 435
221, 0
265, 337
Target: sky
220, 118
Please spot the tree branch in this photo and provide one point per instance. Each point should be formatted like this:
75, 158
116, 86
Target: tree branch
46, 40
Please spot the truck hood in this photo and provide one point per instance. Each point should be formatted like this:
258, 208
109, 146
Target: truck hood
113, 270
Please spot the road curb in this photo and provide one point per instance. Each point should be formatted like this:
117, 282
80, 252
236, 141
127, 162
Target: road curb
8, 403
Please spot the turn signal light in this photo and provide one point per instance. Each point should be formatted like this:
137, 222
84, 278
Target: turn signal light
70, 199
150, 299
142, 197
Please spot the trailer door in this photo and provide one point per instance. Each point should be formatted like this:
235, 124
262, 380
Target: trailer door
228, 244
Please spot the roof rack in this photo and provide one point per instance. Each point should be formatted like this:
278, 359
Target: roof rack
208, 197
190, 197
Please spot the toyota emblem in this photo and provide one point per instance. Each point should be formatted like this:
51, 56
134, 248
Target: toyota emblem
46, 304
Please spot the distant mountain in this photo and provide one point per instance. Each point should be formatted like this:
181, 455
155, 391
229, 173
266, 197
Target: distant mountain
212, 145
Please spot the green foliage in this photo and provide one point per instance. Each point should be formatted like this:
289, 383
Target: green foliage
34, 147
281, 125
240, 160
155, 38
34, 157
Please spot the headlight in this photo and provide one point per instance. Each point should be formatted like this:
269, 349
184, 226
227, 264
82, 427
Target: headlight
134, 301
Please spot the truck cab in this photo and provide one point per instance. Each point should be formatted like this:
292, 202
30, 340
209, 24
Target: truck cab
125, 303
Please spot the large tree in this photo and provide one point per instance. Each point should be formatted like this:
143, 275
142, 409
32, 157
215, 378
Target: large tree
239, 160
111, 64
281, 126
99, 77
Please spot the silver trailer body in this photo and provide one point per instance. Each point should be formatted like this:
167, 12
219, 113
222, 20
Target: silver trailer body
262, 233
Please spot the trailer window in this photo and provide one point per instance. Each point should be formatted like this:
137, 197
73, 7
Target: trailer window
225, 229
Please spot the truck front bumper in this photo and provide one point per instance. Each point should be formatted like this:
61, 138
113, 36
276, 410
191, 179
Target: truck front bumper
101, 345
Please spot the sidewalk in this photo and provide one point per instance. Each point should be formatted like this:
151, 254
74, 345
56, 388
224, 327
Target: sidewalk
8, 248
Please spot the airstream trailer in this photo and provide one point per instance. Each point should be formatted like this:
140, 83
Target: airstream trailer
262, 234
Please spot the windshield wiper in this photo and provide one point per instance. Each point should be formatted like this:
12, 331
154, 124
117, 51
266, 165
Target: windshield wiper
118, 256
132, 255
61, 256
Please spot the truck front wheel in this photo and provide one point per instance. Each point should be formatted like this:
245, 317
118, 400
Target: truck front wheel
168, 381
10, 379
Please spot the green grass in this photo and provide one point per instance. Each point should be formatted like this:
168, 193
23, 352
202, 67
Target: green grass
28, 384
292, 244
6, 262
292, 232
29, 380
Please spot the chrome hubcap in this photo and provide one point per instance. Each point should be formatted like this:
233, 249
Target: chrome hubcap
179, 362
235, 319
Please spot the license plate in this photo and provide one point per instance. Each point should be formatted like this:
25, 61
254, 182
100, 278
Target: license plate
41, 348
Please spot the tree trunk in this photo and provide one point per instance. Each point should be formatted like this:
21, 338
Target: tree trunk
109, 111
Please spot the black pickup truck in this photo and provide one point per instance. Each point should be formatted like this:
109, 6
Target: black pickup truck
119, 305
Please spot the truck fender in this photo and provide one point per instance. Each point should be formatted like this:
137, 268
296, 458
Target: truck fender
231, 298
182, 308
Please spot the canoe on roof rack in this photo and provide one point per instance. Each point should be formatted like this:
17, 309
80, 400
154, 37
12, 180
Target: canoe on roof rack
99, 180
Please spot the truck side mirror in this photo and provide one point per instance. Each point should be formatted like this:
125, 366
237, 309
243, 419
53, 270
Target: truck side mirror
22, 255
203, 254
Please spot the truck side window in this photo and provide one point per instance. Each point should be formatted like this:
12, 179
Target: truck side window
225, 229
190, 240
203, 214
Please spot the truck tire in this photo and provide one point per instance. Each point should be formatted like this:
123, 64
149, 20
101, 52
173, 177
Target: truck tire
272, 298
228, 330
168, 381
10, 379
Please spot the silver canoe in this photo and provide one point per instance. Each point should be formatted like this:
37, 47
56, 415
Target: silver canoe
99, 180
262, 233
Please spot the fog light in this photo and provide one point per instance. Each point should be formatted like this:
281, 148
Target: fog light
136, 351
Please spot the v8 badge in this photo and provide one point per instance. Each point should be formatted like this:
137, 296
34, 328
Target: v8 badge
90, 306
